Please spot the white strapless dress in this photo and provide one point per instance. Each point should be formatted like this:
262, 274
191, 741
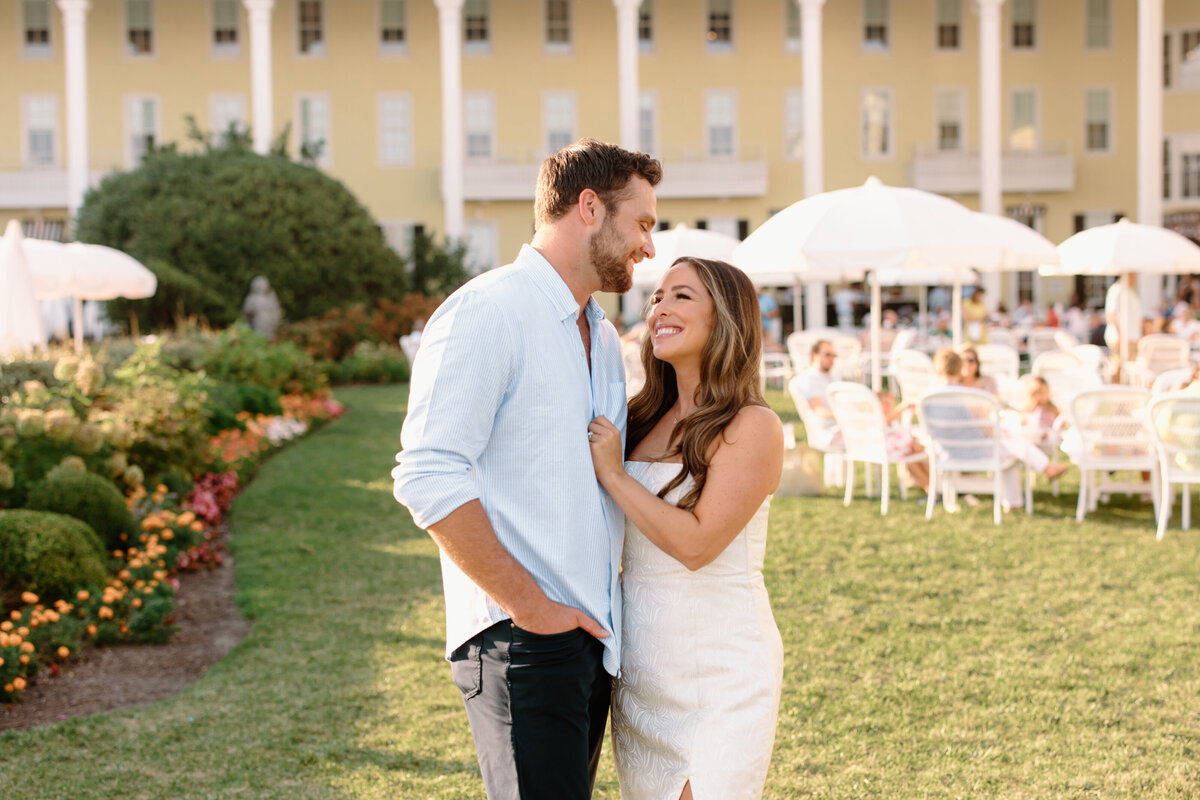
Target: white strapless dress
701, 666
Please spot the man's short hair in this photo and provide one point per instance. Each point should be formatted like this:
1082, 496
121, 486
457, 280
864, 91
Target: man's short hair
947, 363
604, 168
816, 348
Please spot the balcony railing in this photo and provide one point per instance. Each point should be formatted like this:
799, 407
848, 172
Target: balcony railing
1044, 170
686, 174
24, 186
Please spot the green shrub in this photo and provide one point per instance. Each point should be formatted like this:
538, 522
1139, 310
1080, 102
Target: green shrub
371, 363
239, 355
50, 554
15, 374
87, 497
334, 334
207, 223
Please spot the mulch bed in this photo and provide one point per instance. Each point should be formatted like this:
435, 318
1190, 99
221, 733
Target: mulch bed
120, 676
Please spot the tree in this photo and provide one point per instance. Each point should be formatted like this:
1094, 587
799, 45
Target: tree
207, 222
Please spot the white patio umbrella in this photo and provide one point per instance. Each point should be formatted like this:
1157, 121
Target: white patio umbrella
873, 228
1124, 247
85, 272
670, 245
20, 316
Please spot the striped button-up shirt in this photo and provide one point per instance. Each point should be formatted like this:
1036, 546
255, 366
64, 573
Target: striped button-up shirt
498, 409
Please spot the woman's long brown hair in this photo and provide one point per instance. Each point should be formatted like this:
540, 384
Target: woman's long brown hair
729, 377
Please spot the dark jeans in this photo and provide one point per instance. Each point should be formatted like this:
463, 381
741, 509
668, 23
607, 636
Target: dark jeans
537, 706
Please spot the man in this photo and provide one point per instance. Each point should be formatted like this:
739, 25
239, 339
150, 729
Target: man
812, 384
496, 466
1123, 320
768, 309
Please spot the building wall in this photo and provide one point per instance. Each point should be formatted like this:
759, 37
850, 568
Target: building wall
679, 67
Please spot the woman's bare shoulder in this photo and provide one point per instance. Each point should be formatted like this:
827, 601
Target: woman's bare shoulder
755, 424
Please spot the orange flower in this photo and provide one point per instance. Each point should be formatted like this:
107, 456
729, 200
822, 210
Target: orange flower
91, 629
24, 659
82, 595
105, 612
63, 652
29, 597
26, 647
18, 683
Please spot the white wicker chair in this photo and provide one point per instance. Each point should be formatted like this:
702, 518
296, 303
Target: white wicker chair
1107, 433
1041, 340
913, 373
999, 360
860, 418
1158, 353
1175, 425
1171, 381
818, 436
961, 429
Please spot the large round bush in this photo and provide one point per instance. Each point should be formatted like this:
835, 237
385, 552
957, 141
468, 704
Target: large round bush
52, 555
207, 223
87, 497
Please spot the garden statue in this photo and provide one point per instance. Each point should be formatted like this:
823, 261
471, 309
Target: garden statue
262, 307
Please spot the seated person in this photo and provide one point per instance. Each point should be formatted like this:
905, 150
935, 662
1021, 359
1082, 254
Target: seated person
812, 384
971, 377
899, 440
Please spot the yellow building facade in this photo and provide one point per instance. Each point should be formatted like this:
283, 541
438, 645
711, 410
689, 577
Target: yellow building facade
720, 99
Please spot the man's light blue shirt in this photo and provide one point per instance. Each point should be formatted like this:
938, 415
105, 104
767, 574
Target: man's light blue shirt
498, 409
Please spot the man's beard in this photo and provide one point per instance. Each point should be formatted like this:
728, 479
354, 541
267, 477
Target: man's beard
609, 265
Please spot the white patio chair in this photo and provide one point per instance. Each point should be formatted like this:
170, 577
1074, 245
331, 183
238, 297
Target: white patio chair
913, 373
849, 349
1064, 339
961, 430
1005, 336
1171, 381
1107, 433
776, 369
799, 344
1175, 425
859, 416
1156, 354
1053, 361
1066, 374
998, 360
1093, 356
1041, 340
820, 436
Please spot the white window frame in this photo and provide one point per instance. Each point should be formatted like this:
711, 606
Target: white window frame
646, 12
1106, 25
792, 44
1110, 144
393, 48
869, 45
1179, 145
938, 22
960, 95
1033, 21
383, 127
325, 160
225, 49
479, 47
489, 99
126, 29
39, 50
571, 103
27, 162
793, 102
716, 46
320, 47
648, 101
477, 230
1183, 79
889, 150
132, 103
219, 127
1037, 118
558, 48
398, 235
710, 96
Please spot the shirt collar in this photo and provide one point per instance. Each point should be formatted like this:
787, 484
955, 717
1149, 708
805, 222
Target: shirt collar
555, 288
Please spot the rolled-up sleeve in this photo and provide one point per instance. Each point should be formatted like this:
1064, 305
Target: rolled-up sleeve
459, 381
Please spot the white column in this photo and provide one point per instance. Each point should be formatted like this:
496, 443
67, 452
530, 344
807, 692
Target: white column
262, 99
1150, 134
453, 153
75, 51
814, 137
627, 71
990, 200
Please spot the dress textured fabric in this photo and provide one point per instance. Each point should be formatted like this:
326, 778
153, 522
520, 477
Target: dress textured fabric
701, 665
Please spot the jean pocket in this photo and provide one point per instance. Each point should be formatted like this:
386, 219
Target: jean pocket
466, 667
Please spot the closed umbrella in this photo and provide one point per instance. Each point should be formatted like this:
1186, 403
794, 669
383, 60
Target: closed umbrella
86, 272
20, 316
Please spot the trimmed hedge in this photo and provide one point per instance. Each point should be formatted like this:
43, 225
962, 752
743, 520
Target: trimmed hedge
89, 498
52, 555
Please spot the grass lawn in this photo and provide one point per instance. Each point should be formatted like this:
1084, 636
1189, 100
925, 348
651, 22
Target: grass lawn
952, 659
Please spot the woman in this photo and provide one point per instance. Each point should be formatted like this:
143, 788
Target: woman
971, 377
695, 707
975, 318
